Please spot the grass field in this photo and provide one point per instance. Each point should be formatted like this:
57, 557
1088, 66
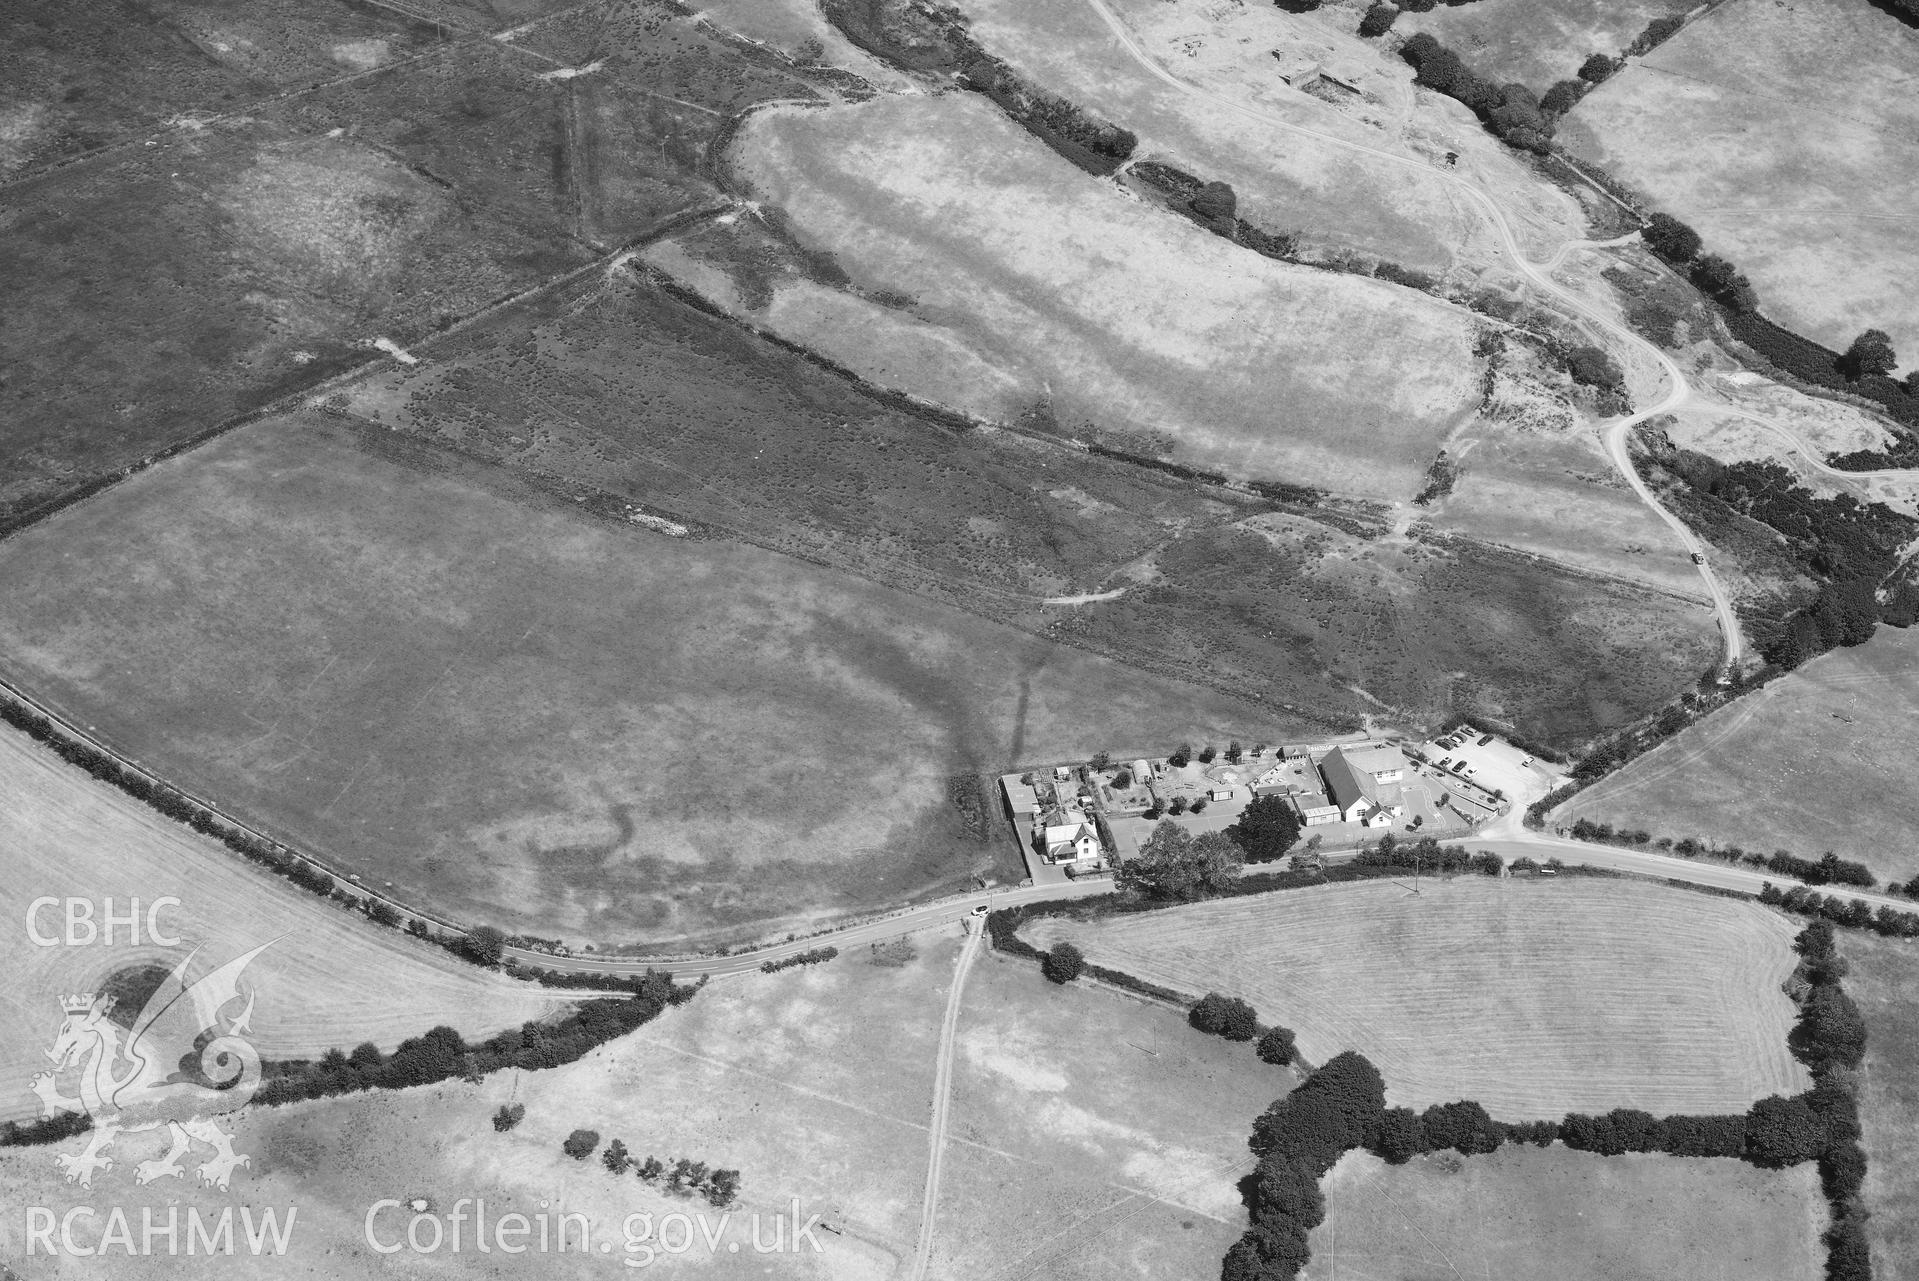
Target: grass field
816, 1085
82, 74
526, 715
1532, 1212
1885, 983
1108, 1138
1134, 319
329, 977
1536, 44
256, 253
1814, 761
1788, 135
1535, 999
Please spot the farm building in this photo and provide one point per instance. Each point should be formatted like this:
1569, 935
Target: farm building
1364, 783
1314, 809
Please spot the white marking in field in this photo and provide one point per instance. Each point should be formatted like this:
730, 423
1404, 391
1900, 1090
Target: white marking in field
1085, 598
196, 124
396, 351
567, 73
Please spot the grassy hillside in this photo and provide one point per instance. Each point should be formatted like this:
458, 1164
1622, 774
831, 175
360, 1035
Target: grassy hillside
1885, 982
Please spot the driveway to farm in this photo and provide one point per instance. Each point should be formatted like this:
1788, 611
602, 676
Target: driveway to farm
942, 1101
1540, 276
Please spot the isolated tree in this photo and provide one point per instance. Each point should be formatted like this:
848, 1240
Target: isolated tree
615, 1158
1379, 20
1182, 757
1206, 754
1123, 779
650, 1169
1226, 1016
1671, 239
1597, 68
1177, 805
485, 944
1063, 963
1267, 828
580, 1144
509, 1115
1100, 762
1593, 367
1276, 1046
1870, 353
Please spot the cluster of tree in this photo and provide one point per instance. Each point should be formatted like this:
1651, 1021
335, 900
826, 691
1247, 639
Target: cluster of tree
49, 1129
509, 1115
1592, 366
1427, 855
681, 1177
1717, 278
1512, 112
813, 956
1852, 546
1379, 19
1095, 145
1224, 1016
1440, 478
1827, 869
1297, 1140
1174, 865
442, 1054
1852, 913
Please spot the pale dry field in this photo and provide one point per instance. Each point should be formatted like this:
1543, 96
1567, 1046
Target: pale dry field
1526, 1212
1132, 317
1286, 181
1536, 43
816, 1084
1535, 999
330, 978
1788, 135
1815, 761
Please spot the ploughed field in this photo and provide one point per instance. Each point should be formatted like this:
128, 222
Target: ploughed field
431, 674
1535, 999
328, 978
1528, 1212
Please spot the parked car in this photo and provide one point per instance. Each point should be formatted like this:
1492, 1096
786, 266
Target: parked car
1487, 739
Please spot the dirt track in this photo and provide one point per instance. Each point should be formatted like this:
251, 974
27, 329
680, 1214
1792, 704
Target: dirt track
330, 978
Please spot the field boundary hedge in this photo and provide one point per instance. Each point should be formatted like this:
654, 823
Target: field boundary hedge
1302, 1135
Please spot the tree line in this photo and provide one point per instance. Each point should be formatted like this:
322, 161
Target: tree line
1342, 1106
1827, 869
442, 1054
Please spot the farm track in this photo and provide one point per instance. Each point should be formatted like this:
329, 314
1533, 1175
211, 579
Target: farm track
1539, 274
942, 1102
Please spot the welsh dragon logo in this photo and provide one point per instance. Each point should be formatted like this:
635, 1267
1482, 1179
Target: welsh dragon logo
135, 1077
